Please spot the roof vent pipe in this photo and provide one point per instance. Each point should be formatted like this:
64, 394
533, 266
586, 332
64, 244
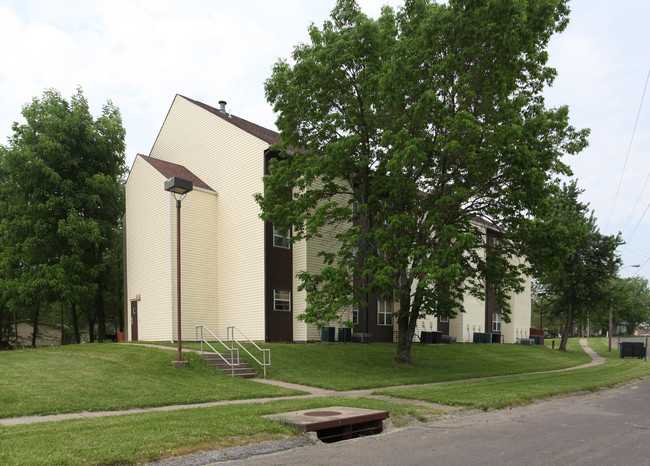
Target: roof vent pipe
222, 106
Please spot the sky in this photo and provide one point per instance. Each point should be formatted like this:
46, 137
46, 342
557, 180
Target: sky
141, 53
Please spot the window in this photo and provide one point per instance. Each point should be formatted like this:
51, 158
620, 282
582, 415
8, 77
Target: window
355, 314
384, 312
444, 320
496, 322
279, 240
281, 300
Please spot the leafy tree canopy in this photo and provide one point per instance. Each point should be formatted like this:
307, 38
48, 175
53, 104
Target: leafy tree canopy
61, 200
572, 260
431, 120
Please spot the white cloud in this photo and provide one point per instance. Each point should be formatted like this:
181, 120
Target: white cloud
140, 53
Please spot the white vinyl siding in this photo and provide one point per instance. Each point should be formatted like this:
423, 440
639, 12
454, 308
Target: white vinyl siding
301, 330
327, 242
199, 258
151, 256
231, 162
148, 252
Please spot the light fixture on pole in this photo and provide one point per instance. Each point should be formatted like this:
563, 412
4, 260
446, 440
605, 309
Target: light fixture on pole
611, 309
179, 189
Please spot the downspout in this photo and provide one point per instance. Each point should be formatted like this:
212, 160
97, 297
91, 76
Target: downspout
171, 273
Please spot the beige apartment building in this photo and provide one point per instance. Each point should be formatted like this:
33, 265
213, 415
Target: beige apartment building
235, 270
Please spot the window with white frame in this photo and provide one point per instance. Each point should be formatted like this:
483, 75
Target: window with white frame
281, 300
444, 320
496, 322
279, 240
355, 314
384, 312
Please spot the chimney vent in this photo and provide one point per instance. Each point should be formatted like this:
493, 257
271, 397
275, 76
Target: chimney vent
222, 106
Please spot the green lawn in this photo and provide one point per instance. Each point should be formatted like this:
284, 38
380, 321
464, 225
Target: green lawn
600, 345
98, 377
110, 376
510, 391
357, 366
141, 437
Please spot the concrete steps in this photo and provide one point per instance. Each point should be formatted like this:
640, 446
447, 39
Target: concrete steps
243, 370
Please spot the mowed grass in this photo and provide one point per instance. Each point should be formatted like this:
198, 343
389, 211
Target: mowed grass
522, 389
138, 438
600, 345
109, 375
360, 366
101, 377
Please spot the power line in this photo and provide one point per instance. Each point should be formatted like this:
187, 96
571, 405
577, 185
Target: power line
636, 203
628, 152
638, 223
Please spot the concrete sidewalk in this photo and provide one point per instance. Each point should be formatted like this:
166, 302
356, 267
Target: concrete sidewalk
310, 392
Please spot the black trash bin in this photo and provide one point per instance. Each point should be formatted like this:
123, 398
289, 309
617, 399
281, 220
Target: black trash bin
632, 349
480, 337
327, 334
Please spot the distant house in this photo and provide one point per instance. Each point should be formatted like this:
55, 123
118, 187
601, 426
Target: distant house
236, 269
47, 334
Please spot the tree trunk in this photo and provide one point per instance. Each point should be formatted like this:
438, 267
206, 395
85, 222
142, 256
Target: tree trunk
568, 327
101, 316
404, 340
121, 320
75, 322
35, 325
16, 328
2, 317
91, 323
406, 322
62, 327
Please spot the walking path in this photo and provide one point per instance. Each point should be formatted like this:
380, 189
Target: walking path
311, 392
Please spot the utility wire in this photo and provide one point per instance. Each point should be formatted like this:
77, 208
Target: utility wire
636, 203
620, 181
636, 226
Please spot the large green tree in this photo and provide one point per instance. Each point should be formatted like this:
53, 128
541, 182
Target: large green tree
431, 120
629, 299
61, 201
572, 260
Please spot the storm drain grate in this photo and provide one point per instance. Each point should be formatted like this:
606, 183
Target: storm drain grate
335, 423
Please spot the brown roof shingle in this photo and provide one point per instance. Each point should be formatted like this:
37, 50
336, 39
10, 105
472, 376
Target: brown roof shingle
266, 135
170, 170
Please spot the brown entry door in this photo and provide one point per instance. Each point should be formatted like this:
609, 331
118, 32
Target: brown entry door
134, 320
443, 325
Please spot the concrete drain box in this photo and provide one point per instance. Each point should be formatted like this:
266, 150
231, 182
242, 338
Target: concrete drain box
335, 423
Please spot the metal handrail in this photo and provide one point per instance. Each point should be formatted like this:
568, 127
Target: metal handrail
233, 351
230, 335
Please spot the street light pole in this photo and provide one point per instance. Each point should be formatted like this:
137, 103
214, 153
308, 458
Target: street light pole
179, 189
178, 277
611, 309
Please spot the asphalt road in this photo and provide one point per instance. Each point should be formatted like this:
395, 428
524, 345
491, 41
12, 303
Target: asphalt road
608, 427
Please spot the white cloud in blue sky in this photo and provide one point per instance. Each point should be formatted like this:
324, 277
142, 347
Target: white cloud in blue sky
140, 53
